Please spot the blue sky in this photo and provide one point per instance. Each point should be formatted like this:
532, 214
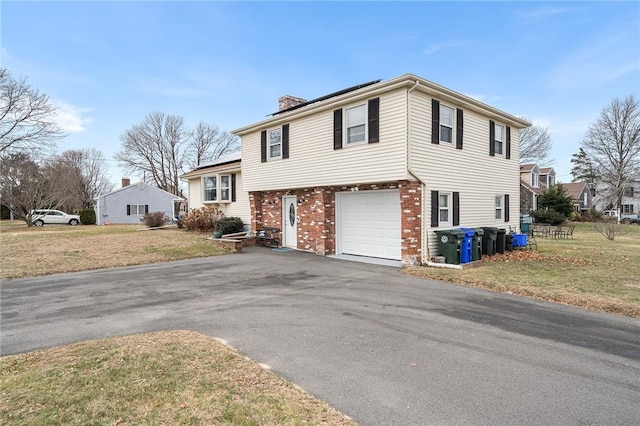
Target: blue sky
106, 65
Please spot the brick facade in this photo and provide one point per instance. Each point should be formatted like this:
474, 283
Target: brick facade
317, 219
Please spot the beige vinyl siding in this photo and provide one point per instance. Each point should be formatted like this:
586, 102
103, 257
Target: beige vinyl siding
472, 172
239, 208
313, 161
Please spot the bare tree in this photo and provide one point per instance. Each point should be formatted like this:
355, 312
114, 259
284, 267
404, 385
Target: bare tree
160, 147
210, 143
81, 175
612, 144
535, 144
24, 187
157, 149
26, 117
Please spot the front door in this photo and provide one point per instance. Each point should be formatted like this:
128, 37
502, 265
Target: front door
290, 221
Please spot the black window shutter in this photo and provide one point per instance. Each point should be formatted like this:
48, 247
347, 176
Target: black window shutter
456, 208
128, 209
337, 129
506, 207
435, 209
508, 154
374, 120
459, 127
492, 138
435, 121
263, 146
233, 187
285, 141
146, 209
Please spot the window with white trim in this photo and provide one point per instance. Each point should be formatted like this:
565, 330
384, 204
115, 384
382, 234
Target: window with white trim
627, 208
216, 188
443, 208
552, 180
535, 178
499, 139
136, 209
275, 144
356, 124
446, 124
627, 191
499, 206
210, 188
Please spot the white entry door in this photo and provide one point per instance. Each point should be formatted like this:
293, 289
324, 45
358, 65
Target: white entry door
290, 221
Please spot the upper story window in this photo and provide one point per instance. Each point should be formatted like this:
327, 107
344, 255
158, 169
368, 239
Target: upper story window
499, 140
217, 188
356, 124
627, 191
275, 144
552, 180
585, 197
446, 124
535, 179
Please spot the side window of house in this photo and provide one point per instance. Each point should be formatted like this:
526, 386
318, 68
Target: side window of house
219, 188
535, 179
447, 124
498, 207
499, 140
137, 209
210, 187
357, 124
274, 144
445, 209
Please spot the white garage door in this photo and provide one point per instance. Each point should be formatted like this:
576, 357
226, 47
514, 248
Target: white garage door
369, 223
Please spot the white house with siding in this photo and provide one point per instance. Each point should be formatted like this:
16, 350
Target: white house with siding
128, 204
219, 184
375, 169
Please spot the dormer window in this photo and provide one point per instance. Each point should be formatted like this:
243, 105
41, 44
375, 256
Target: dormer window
535, 179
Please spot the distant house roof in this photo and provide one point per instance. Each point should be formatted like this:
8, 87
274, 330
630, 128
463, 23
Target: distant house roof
575, 189
530, 188
235, 156
527, 167
139, 185
546, 170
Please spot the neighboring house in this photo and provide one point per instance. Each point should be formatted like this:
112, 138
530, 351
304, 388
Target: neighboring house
375, 169
630, 203
131, 202
547, 177
580, 194
219, 184
529, 188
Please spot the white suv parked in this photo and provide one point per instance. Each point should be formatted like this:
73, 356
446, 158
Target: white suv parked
50, 217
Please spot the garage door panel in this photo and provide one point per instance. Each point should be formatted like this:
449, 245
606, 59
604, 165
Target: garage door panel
369, 224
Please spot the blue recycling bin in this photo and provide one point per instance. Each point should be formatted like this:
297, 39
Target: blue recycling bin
466, 246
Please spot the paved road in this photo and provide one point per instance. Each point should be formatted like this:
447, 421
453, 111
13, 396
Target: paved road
380, 346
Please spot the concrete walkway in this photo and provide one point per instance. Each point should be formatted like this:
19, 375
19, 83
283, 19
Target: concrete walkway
380, 346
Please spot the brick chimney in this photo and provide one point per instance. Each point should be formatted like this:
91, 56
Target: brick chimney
288, 101
126, 182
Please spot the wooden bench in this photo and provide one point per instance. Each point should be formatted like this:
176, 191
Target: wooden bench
268, 237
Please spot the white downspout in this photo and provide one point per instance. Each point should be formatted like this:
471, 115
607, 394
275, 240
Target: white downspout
410, 170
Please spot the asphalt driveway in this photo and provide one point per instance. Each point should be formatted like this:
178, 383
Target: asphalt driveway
380, 346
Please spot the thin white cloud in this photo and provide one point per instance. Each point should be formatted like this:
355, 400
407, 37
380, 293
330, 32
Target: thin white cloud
608, 56
71, 118
435, 47
544, 12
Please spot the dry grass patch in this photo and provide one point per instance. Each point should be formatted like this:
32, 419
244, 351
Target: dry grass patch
588, 271
28, 252
170, 378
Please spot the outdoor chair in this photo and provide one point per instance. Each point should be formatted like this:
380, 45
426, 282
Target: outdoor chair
559, 232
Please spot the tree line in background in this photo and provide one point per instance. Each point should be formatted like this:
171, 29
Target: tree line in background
161, 147
33, 176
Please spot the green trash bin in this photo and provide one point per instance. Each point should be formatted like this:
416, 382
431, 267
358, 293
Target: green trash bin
449, 244
476, 250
